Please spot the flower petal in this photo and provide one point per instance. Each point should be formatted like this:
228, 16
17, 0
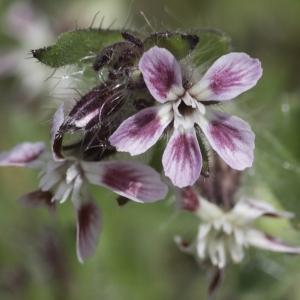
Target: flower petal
209, 211
39, 198
247, 210
48, 180
25, 154
55, 135
62, 192
201, 248
239, 235
231, 137
141, 131
215, 283
236, 251
182, 158
162, 74
262, 240
131, 179
89, 221
230, 75
217, 252
204, 229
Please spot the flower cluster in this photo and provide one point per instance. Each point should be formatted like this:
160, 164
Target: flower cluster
61, 177
146, 89
224, 234
186, 105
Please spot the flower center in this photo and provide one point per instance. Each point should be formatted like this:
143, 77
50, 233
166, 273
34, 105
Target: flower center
185, 110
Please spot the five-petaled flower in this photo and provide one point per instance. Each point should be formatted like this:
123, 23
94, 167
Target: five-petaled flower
222, 234
61, 177
188, 105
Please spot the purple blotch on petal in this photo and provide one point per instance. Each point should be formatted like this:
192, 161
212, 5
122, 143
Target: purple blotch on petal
215, 282
265, 241
122, 179
88, 229
161, 72
182, 159
251, 209
22, 154
231, 75
224, 135
133, 180
232, 138
55, 134
238, 73
139, 132
37, 199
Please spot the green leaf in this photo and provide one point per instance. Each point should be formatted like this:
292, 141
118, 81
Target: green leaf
276, 167
212, 45
77, 47
204, 44
179, 44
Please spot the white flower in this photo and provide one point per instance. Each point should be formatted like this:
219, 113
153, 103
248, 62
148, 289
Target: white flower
223, 235
61, 177
229, 136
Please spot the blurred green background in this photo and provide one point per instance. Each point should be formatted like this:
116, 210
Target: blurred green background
136, 257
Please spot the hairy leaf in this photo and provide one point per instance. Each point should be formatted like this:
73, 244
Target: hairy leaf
212, 45
179, 44
79, 46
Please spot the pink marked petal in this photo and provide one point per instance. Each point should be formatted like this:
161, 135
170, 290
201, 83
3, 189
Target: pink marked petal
261, 240
208, 211
231, 75
55, 136
37, 199
25, 154
247, 210
161, 73
89, 221
232, 138
131, 179
182, 158
141, 131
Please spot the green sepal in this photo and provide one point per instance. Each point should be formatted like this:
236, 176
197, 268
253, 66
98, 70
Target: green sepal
179, 44
205, 159
212, 45
79, 47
